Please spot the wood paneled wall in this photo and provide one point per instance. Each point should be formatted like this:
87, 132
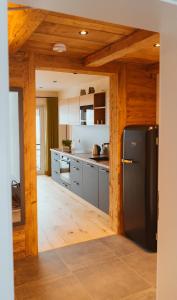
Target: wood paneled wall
22, 74
141, 95
136, 105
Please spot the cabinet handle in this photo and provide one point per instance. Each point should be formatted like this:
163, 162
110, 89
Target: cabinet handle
90, 165
105, 171
75, 182
75, 168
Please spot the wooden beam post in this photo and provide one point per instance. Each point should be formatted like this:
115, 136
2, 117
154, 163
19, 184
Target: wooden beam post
30, 180
117, 124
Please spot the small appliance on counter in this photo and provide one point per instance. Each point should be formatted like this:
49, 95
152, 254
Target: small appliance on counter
105, 149
96, 150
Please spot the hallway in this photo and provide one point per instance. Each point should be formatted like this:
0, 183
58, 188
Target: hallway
111, 268
64, 218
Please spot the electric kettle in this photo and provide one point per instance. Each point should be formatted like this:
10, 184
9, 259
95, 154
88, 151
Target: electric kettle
96, 150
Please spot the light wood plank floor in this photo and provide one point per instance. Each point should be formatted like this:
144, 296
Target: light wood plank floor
65, 219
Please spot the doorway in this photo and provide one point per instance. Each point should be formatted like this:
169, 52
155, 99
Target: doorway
65, 215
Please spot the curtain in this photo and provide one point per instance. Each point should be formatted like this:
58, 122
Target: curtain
52, 130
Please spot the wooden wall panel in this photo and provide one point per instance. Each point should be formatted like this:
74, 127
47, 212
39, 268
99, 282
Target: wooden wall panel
141, 95
22, 74
136, 105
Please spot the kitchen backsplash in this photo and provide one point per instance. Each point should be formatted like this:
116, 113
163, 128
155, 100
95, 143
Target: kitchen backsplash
85, 136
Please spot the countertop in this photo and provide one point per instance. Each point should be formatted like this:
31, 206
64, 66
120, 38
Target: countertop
84, 157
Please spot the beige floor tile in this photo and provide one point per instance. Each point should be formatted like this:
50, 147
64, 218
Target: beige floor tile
48, 265
111, 281
143, 263
86, 254
120, 245
145, 295
68, 288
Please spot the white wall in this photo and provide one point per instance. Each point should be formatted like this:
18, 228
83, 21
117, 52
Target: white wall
84, 137
99, 85
167, 236
6, 261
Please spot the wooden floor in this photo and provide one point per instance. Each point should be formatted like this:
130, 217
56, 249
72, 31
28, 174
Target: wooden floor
111, 268
65, 219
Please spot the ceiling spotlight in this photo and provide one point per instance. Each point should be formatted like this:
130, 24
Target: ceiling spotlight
83, 32
157, 45
59, 47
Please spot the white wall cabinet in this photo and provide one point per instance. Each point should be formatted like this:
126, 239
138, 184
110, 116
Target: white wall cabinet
63, 112
73, 111
87, 100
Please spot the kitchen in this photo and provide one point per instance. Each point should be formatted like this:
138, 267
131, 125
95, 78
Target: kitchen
79, 153
65, 218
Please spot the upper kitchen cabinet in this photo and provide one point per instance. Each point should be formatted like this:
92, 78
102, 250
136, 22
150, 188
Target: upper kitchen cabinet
86, 100
63, 112
74, 111
69, 111
90, 109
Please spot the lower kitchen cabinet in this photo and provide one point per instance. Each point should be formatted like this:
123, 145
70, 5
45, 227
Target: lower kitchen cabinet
103, 202
56, 175
90, 183
76, 176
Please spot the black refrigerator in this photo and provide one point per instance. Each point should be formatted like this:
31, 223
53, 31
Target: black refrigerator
140, 184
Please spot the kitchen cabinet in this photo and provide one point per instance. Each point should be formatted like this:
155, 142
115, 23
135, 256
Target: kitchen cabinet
87, 100
73, 111
76, 176
63, 112
103, 202
90, 183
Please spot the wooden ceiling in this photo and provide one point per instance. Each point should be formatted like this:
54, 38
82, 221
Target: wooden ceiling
38, 31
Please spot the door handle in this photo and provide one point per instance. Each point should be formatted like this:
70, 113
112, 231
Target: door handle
127, 161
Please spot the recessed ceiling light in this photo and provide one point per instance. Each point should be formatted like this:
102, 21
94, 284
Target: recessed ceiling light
83, 32
156, 45
55, 81
59, 47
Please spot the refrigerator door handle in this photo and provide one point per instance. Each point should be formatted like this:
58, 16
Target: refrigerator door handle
127, 161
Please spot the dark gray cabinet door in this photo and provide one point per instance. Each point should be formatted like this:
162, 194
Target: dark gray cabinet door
103, 190
90, 183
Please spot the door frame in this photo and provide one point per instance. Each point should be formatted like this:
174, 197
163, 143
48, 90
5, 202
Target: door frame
116, 124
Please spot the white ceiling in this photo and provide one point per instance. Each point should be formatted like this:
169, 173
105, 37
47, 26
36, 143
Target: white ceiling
44, 80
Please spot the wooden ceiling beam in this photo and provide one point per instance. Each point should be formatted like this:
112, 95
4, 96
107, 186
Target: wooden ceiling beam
21, 26
127, 45
84, 23
71, 65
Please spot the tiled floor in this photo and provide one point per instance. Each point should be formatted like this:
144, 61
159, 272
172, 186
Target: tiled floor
111, 268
